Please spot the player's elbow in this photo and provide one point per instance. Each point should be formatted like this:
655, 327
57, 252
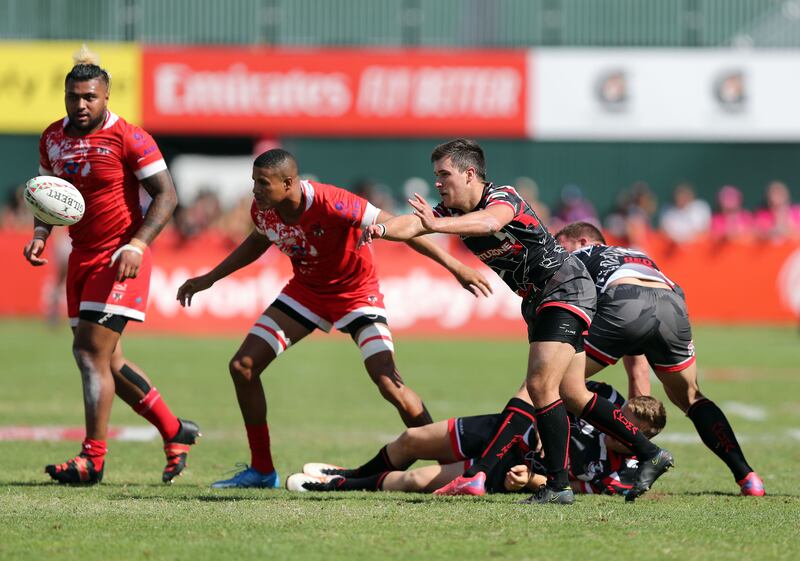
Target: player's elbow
491, 225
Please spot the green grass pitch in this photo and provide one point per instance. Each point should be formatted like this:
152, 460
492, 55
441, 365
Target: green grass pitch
323, 408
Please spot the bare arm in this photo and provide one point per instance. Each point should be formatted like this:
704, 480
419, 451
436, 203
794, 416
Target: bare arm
248, 251
468, 277
165, 199
638, 370
34, 248
478, 223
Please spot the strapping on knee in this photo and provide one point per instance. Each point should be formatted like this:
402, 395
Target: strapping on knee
373, 339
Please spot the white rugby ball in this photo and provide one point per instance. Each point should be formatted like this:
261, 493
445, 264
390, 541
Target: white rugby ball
54, 200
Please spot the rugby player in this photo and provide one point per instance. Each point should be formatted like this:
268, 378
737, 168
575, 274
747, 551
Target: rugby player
598, 463
558, 302
108, 276
640, 311
334, 285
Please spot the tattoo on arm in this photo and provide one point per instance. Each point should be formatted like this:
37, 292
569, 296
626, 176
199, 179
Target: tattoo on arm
165, 199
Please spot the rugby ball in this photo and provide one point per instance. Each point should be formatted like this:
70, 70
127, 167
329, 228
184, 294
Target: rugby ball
54, 200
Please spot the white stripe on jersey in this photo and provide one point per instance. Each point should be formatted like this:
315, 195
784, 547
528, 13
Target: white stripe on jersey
370, 215
151, 169
308, 191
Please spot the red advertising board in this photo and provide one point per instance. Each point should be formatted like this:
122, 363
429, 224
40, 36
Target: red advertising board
420, 93
421, 297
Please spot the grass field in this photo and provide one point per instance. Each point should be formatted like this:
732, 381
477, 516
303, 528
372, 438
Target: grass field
323, 408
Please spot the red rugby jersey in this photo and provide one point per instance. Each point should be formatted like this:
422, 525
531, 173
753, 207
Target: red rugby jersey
322, 244
106, 167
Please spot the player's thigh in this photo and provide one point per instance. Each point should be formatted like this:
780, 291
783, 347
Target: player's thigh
625, 318
272, 334
672, 349
681, 387
429, 442
95, 341
573, 385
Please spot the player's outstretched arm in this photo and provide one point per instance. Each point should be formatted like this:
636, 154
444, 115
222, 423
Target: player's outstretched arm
248, 251
469, 278
34, 248
395, 228
484, 222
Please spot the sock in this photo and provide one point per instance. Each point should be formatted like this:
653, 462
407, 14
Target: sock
379, 464
372, 483
155, 410
607, 417
516, 420
260, 453
553, 425
716, 432
95, 450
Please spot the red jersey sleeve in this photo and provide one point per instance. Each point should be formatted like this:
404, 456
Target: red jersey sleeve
141, 154
45, 167
356, 211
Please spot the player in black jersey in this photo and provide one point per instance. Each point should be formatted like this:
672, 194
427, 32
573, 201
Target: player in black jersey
640, 311
598, 463
558, 301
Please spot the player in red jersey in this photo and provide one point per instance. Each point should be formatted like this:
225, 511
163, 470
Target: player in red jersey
334, 285
108, 275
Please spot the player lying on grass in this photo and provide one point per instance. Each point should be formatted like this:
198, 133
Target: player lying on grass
558, 302
108, 278
598, 462
335, 284
641, 312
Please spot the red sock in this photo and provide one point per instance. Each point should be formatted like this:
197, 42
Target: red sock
155, 410
260, 454
96, 450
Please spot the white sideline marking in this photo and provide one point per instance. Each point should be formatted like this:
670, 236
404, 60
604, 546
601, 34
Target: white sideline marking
57, 433
693, 438
745, 410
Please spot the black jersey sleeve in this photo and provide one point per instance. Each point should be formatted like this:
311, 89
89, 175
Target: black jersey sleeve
505, 196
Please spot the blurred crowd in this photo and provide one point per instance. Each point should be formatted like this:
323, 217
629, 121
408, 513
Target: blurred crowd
636, 216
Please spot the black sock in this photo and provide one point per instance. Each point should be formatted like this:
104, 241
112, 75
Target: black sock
553, 425
516, 420
715, 431
372, 483
379, 464
607, 417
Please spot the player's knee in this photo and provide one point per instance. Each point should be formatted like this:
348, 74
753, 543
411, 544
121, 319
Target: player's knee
242, 369
406, 441
414, 482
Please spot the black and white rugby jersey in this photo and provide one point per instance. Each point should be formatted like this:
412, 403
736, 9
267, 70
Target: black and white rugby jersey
523, 253
607, 263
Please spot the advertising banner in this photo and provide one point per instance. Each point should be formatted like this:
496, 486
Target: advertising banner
664, 94
422, 299
418, 93
32, 81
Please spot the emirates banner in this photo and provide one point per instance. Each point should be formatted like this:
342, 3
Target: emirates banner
421, 297
420, 93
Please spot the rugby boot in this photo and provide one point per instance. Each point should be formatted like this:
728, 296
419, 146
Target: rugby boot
647, 473
249, 478
80, 470
546, 495
177, 449
475, 485
304, 482
318, 469
752, 485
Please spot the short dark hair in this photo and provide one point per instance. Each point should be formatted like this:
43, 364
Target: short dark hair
86, 72
582, 230
275, 159
464, 153
650, 411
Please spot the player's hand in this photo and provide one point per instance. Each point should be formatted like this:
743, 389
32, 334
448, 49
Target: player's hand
423, 211
473, 281
192, 287
516, 478
33, 251
373, 231
129, 263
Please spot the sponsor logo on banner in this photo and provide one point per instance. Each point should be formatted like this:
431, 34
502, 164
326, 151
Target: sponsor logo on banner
32, 81
413, 93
